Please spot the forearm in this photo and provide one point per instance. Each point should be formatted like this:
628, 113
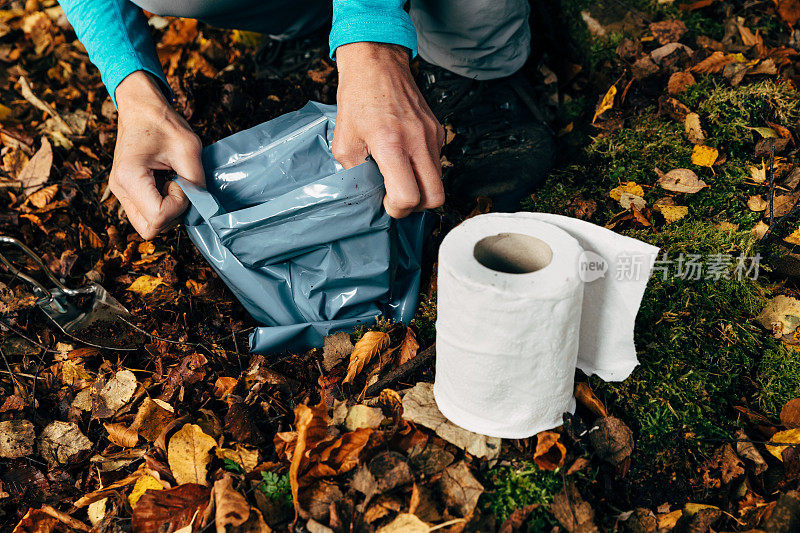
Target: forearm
117, 38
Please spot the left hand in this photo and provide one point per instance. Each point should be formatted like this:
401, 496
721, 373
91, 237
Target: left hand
382, 113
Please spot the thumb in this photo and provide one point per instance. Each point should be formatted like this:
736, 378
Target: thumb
185, 161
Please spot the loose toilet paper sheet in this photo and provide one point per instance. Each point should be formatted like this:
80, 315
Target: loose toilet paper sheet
508, 342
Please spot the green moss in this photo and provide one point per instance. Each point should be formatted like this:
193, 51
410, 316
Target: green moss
425, 319
778, 378
511, 487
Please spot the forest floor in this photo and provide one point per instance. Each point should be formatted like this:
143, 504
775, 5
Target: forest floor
677, 124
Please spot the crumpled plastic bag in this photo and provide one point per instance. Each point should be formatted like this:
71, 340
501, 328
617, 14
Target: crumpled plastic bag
303, 244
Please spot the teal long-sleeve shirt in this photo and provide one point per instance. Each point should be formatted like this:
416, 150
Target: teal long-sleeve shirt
117, 38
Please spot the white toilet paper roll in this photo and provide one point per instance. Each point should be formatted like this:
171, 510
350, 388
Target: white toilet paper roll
513, 316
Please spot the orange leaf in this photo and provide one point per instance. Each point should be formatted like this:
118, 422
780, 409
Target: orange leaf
223, 386
92, 238
365, 349
42, 197
550, 451
607, 103
121, 436
303, 417
587, 398
408, 350
713, 63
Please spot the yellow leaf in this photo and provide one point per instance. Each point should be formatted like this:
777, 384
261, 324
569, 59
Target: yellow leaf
5, 112
607, 103
791, 436
42, 197
692, 509
365, 349
144, 285
667, 521
250, 39
758, 174
146, 482
756, 203
704, 156
630, 187
187, 454
247, 459
673, 213
72, 372
794, 238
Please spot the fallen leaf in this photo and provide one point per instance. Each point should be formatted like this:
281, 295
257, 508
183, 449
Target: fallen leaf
460, 489
37, 170
681, 180
693, 129
673, 213
748, 451
151, 419
408, 350
712, 64
766, 133
786, 437
419, 406
61, 441
668, 31
16, 438
303, 422
704, 156
405, 523
188, 454
42, 197
517, 519
91, 238
679, 81
587, 398
119, 389
223, 386
790, 414
232, 508
550, 451
121, 436
365, 349
756, 203
169, 510
143, 484
789, 11
144, 285
362, 416
606, 104
630, 187
244, 457
792, 238
781, 315
572, 511
759, 230
96, 511
335, 348
612, 439
37, 521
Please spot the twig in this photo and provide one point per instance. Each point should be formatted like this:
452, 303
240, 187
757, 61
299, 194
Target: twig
409, 367
27, 93
74, 523
18, 332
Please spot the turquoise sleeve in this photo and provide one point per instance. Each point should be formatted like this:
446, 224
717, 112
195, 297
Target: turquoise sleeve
117, 38
380, 21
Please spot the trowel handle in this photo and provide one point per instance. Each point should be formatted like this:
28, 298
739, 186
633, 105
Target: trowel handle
30, 253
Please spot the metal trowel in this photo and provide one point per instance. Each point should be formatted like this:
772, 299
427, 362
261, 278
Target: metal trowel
88, 314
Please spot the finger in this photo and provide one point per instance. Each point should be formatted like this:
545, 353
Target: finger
428, 170
348, 150
184, 159
402, 191
151, 211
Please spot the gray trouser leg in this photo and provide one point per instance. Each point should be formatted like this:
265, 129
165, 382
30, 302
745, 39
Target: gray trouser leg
280, 19
480, 39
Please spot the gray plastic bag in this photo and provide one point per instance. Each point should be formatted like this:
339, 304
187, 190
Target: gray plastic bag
304, 245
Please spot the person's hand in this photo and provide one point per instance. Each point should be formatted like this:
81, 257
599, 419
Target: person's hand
382, 113
151, 136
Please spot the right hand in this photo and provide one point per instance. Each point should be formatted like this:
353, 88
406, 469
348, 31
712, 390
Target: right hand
151, 136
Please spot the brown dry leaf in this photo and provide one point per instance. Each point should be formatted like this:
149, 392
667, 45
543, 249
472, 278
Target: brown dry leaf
606, 104
232, 508
789, 11
119, 389
144, 285
408, 350
550, 451
14, 161
405, 523
756, 203
180, 32
60, 441
303, 418
321, 74
121, 436
188, 454
336, 347
586, 396
151, 419
223, 386
16, 439
365, 349
758, 174
712, 64
790, 414
704, 156
759, 230
668, 31
39, 28
680, 180
679, 81
42, 197
37, 521
572, 511
170, 510
693, 129
331, 458
460, 489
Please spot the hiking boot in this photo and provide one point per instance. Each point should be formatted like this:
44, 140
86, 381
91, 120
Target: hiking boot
502, 148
